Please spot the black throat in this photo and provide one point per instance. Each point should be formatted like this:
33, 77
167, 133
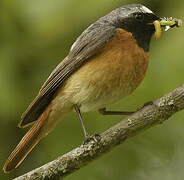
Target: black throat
142, 35
143, 39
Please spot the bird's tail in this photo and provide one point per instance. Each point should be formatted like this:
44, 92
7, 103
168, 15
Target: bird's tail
28, 142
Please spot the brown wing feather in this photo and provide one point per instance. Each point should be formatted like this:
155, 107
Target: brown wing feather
90, 41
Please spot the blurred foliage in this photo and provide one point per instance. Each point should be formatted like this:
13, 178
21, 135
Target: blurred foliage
34, 36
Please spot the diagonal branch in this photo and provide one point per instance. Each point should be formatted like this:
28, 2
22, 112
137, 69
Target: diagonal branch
148, 116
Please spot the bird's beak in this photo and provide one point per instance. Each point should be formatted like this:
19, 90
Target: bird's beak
167, 23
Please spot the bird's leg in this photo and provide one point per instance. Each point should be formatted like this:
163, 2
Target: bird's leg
81, 120
104, 112
96, 137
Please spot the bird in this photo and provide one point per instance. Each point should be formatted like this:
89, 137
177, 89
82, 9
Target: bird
106, 63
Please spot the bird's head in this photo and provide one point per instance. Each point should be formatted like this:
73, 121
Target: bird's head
141, 22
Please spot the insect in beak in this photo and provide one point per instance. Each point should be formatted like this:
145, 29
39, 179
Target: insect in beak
167, 23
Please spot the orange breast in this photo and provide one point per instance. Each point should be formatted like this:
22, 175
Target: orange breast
120, 63
113, 73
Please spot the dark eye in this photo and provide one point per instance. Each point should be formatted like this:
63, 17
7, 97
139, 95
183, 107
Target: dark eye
139, 17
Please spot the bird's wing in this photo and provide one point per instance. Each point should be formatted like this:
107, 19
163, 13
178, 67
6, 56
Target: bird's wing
90, 41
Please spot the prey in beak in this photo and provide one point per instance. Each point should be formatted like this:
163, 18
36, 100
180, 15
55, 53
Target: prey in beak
167, 23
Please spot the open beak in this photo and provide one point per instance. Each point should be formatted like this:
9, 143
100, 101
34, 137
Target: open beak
167, 23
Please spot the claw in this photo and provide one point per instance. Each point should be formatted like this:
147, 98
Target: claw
96, 138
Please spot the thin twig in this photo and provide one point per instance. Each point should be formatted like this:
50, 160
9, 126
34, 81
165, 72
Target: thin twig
148, 116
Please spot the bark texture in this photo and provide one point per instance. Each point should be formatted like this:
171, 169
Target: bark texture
146, 117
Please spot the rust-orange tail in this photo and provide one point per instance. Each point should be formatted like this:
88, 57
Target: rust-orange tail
27, 143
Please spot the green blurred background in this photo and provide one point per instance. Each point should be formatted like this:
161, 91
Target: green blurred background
34, 36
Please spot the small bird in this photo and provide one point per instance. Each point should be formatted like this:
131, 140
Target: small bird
106, 63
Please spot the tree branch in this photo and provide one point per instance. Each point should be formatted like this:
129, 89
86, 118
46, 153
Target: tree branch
148, 116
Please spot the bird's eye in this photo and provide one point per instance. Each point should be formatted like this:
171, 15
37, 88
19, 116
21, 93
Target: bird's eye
139, 17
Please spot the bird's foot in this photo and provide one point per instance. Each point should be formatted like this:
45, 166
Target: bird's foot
145, 104
95, 137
